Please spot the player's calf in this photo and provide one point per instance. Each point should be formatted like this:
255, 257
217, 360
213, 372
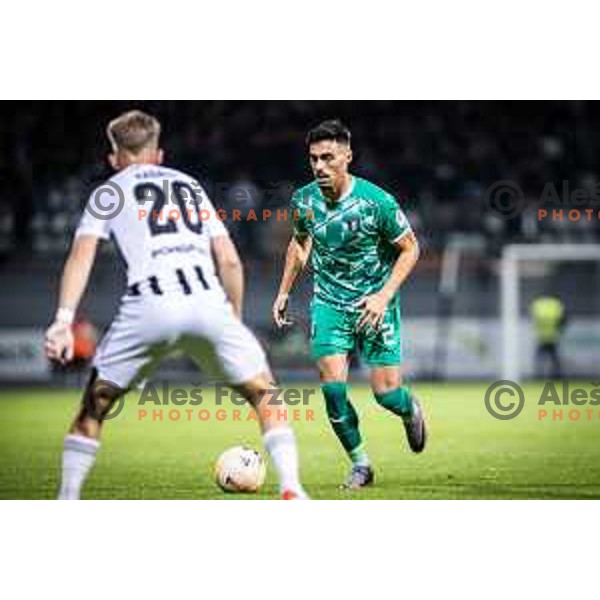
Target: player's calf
402, 402
344, 421
386, 382
343, 418
81, 443
278, 436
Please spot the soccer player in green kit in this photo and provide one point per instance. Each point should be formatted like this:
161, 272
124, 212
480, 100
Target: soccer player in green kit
363, 249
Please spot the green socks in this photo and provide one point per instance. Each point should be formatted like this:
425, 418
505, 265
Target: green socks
359, 457
344, 420
397, 401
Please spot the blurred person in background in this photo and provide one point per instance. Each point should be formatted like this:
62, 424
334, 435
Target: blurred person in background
244, 196
549, 319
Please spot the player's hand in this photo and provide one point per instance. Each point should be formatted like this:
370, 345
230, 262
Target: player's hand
280, 307
373, 310
58, 342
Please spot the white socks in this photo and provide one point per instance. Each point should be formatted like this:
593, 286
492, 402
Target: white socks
78, 458
281, 446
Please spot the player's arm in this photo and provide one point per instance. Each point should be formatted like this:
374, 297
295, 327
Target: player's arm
374, 306
59, 338
408, 255
393, 229
229, 270
296, 257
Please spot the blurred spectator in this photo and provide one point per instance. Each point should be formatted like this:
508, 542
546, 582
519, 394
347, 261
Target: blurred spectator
244, 196
549, 319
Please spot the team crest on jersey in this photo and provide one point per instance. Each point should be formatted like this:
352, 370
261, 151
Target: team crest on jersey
353, 224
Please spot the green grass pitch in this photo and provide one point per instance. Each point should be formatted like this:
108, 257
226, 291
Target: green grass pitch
470, 454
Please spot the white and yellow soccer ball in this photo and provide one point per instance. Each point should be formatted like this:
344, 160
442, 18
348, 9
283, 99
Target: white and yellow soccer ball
240, 469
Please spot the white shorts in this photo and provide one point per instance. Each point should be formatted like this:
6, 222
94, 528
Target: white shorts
148, 328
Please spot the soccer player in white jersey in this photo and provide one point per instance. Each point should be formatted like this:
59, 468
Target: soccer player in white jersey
185, 292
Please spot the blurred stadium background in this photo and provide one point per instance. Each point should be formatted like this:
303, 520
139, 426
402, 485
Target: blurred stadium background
438, 158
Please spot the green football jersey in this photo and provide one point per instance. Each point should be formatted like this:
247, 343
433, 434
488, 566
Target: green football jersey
352, 254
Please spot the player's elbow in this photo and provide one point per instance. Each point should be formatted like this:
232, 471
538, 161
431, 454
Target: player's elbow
301, 260
230, 263
416, 250
300, 250
226, 255
408, 248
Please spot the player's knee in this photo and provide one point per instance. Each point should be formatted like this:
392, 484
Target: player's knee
258, 384
98, 399
259, 390
332, 371
385, 381
384, 387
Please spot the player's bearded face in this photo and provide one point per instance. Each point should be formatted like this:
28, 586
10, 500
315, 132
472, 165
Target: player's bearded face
329, 161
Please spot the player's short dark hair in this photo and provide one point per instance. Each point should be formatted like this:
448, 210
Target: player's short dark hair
332, 129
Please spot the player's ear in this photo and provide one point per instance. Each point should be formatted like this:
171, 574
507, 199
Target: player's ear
349, 155
113, 161
160, 155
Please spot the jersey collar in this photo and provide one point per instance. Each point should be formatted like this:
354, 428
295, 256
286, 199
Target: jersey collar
349, 191
345, 195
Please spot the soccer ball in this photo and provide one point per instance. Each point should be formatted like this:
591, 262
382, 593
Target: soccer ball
240, 469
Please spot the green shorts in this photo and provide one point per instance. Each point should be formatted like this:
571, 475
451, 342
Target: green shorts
333, 331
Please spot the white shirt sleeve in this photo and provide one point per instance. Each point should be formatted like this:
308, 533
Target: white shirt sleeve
97, 216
